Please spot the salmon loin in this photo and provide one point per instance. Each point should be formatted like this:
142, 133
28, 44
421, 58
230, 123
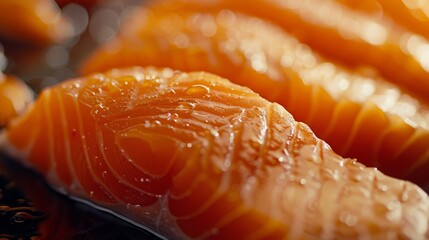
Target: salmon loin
194, 156
359, 114
339, 32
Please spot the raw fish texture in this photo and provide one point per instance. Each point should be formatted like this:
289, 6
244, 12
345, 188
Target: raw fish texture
192, 155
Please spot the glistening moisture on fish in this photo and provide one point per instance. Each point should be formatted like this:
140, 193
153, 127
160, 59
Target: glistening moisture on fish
216, 120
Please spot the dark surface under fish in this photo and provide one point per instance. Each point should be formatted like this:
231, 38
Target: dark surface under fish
29, 209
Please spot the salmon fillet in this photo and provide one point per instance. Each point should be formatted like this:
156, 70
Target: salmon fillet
413, 15
342, 34
192, 155
359, 114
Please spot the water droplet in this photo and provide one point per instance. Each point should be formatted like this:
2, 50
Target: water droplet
91, 193
357, 178
186, 106
197, 90
404, 197
282, 159
281, 178
351, 220
147, 124
303, 181
150, 83
212, 132
335, 174
382, 188
393, 205
170, 91
348, 219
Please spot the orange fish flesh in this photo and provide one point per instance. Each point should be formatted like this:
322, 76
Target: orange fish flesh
15, 96
37, 22
360, 115
411, 14
340, 33
192, 155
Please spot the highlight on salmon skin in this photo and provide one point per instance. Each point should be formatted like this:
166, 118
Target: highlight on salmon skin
37, 22
15, 96
359, 114
192, 155
342, 34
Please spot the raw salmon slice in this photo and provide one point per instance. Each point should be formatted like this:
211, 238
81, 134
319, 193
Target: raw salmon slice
359, 115
412, 14
191, 155
35, 22
342, 34
15, 96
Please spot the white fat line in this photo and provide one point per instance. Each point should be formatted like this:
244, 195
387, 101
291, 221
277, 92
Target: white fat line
47, 116
67, 144
117, 215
